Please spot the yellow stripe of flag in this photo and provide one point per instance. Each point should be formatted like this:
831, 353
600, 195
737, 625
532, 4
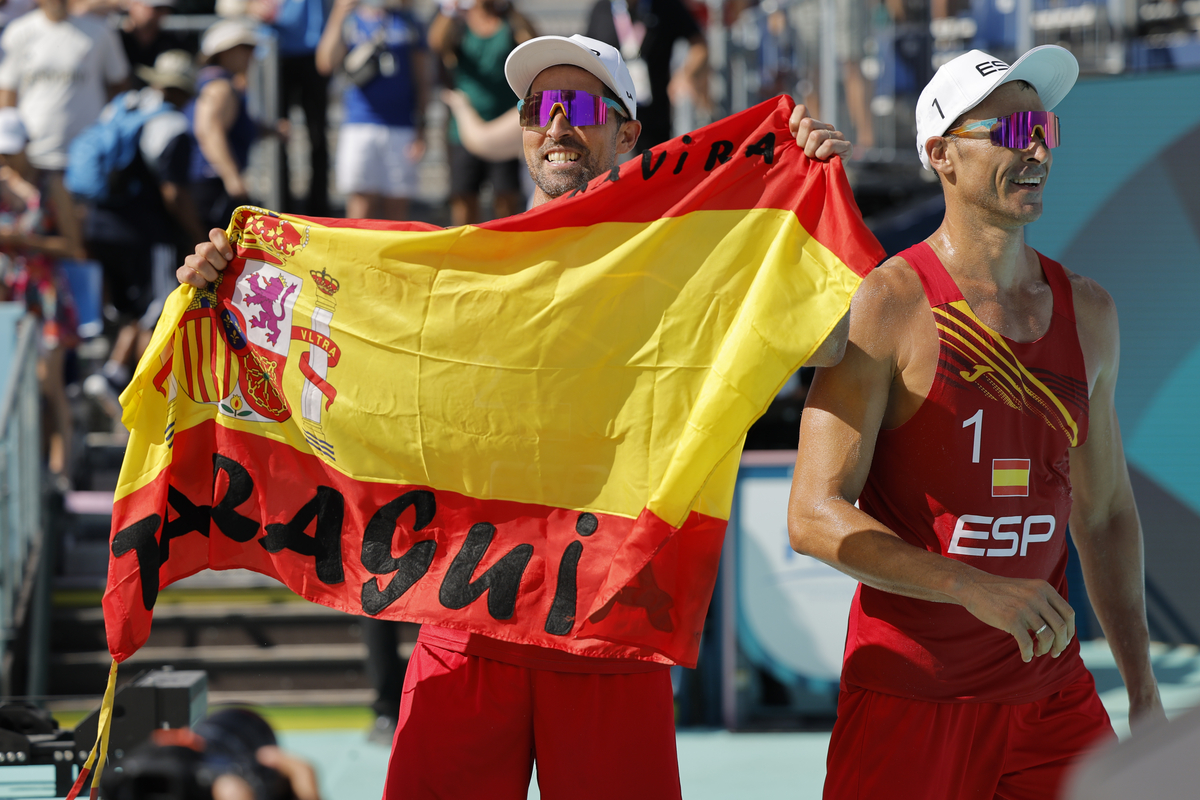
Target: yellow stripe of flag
1010, 477
537, 384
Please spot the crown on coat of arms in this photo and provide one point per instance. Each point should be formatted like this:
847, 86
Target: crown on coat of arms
272, 239
326, 283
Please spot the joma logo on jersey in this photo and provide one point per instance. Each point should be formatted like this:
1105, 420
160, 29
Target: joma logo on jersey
1015, 532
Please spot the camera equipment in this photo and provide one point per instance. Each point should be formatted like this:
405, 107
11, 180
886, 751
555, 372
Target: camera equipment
29, 735
183, 764
154, 700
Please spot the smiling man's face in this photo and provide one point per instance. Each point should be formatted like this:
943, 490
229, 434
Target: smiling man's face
562, 158
1004, 183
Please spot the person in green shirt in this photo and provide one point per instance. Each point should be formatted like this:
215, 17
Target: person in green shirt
473, 40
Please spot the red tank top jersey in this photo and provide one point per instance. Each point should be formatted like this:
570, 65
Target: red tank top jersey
979, 474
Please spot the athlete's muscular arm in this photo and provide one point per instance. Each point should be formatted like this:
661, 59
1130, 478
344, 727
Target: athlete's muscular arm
884, 375
1104, 517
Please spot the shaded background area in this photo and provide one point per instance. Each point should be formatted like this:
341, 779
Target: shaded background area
1123, 207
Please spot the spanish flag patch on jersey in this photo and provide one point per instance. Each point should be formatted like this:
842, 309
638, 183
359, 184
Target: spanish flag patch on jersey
1010, 477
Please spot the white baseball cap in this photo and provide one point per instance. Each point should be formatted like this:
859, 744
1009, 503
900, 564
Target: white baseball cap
602, 60
963, 83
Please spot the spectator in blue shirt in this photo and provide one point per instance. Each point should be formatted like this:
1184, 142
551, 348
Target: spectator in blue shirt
221, 123
380, 46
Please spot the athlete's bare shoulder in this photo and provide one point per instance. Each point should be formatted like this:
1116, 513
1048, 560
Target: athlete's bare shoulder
891, 329
1096, 322
893, 339
893, 283
886, 301
1092, 301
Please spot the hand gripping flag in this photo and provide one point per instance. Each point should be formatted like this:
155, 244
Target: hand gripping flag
527, 429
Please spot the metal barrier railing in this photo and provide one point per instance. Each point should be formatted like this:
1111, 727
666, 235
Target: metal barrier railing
24, 565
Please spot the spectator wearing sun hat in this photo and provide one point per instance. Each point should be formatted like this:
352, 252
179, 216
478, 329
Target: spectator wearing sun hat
166, 142
221, 122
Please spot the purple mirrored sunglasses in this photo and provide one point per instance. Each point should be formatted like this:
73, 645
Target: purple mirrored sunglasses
579, 107
1015, 131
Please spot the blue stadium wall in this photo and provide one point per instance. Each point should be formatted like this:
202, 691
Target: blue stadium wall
1123, 206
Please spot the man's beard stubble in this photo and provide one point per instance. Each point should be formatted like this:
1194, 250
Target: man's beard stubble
554, 186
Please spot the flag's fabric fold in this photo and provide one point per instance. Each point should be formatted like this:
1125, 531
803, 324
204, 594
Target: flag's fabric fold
528, 428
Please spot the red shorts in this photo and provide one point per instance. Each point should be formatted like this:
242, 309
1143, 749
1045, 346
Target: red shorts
472, 727
892, 747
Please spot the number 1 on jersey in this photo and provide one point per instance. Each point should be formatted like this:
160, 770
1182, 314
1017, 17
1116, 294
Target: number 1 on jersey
977, 421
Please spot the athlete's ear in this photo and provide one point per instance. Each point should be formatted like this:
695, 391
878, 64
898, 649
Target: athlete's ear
627, 135
938, 150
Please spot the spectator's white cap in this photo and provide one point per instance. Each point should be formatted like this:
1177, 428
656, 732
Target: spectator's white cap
12, 132
963, 83
173, 69
602, 60
226, 34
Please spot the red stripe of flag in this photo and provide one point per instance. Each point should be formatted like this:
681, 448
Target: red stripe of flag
202, 342
190, 373
226, 365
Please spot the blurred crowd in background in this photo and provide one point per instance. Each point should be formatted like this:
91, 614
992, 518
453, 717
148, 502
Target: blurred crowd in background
128, 128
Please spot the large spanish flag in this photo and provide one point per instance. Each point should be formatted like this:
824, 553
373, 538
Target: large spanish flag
528, 429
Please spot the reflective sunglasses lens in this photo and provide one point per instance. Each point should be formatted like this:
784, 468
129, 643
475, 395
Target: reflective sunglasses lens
1050, 130
1017, 130
537, 106
527, 111
579, 107
582, 110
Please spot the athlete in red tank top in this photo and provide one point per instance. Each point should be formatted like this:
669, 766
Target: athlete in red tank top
979, 474
940, 462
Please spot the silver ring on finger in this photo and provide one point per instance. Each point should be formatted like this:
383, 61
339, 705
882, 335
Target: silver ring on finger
1038, 632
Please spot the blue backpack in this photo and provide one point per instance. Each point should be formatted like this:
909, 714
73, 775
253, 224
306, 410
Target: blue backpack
98, 155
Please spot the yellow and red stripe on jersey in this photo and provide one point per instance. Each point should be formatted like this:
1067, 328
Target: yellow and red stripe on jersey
528, 429
1010, 477
997, 372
